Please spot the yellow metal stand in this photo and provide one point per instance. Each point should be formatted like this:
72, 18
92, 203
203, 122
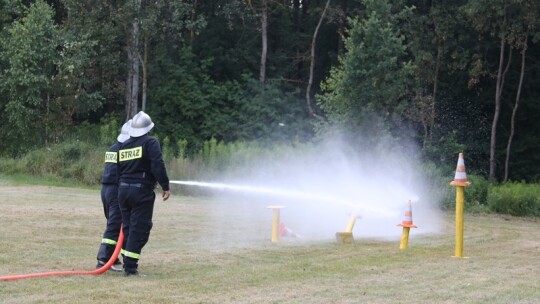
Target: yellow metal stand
459, 221
404, 238
460, 182
350, 224
275, 222
346, 237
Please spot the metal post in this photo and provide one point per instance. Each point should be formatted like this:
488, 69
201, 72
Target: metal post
275, 222
459, 221
404, 238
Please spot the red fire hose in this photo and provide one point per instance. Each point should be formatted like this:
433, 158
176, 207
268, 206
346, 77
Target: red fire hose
72, 272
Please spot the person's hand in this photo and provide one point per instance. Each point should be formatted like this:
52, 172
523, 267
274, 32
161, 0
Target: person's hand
166, 195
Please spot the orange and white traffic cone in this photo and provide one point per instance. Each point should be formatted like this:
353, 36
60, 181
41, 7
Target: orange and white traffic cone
460, 179
285, 231
407, 218
407, 224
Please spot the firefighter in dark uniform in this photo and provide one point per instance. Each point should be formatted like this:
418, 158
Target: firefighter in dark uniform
140, 168
109, 198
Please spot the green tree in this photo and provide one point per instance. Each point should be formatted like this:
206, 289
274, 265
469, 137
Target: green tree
172, 22
193, 106
74, 92
499, 25
428, 47
368, 88
46, 78
518, 39
10, 9
29, 52
103, 46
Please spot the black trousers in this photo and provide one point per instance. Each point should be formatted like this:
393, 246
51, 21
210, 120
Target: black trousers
111, 209
137, 207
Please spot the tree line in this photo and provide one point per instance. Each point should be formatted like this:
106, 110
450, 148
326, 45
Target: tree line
451, 76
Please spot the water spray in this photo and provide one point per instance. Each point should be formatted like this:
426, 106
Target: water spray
98, 271
259, 190
312, 196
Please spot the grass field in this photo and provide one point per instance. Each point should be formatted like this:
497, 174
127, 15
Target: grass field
207, 250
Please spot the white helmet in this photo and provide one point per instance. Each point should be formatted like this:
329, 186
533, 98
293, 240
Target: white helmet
140, 124
124, 132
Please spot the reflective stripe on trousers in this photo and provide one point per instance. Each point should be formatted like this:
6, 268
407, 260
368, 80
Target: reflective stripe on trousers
132, 255
108, 241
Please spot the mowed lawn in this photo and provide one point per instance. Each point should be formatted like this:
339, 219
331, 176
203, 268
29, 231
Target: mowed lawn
217, 250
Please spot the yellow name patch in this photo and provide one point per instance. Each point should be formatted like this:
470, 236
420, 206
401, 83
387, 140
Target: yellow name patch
110, 157
129, 154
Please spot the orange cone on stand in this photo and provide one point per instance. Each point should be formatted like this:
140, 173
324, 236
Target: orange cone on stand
460, 179
407, 224
407, 218
284, 231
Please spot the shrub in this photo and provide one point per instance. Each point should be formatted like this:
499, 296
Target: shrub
438, 184
476, 195
109, 129
10, 166
77, 161
515, 198
36, 162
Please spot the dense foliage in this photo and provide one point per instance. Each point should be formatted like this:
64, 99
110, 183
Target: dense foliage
449, 76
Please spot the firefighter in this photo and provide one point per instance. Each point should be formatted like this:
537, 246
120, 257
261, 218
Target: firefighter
140, 168
109, 198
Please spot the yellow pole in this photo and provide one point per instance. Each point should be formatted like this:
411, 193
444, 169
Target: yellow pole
350, 224
459, 221
346, 237
275, 225
275, 222
460, 182
404, 238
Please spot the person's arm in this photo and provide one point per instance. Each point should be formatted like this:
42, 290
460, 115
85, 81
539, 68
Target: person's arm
158, 167
165, 195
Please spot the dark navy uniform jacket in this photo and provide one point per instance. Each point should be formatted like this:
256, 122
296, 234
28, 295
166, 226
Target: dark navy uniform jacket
140, 161
110, 172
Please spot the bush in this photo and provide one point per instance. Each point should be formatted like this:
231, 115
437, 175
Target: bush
476, 195
37, 163
517, 199
438, 184
77, 161
10, 166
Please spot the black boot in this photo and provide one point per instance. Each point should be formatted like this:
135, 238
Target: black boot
130, 267
104, 254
